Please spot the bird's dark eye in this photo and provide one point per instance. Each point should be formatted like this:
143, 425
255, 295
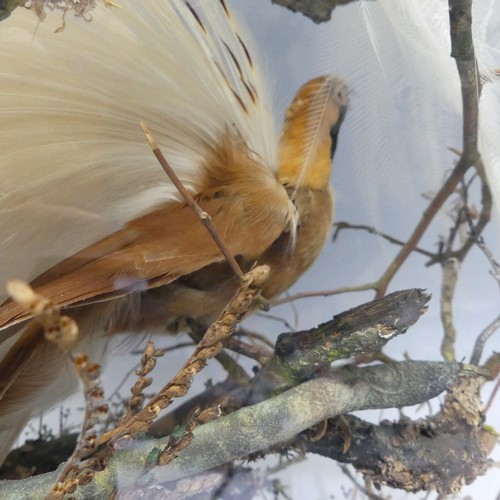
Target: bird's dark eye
334, 131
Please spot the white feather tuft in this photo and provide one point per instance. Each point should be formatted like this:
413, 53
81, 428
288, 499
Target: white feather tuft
75, 164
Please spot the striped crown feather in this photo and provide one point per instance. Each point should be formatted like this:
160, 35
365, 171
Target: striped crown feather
330, 90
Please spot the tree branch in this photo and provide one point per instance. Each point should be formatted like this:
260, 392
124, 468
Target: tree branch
361, 330
410, 455
263, 425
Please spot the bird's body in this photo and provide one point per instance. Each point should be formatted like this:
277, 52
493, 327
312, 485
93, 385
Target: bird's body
269, 197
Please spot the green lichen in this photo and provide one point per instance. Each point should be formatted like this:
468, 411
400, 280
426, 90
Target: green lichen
7, 6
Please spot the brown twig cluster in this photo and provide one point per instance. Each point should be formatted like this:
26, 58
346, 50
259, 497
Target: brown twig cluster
210, 345
75, 473
80, 8
148, 363
63, 331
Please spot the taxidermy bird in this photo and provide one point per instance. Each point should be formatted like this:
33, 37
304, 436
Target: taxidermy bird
89, 217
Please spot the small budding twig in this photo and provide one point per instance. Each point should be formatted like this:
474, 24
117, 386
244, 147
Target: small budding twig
324, 293
148, 363
61, 330
204, 217
74, 474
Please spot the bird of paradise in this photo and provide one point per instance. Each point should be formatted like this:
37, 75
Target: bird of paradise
88, 217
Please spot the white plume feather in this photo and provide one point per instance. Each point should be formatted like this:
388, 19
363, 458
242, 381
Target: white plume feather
75, 164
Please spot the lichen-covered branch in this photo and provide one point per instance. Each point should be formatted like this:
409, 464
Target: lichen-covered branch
263, 425
361, 330
441, 452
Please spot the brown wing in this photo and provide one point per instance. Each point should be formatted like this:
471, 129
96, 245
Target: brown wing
162, 245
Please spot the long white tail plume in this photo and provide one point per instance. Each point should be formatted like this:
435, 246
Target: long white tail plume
74, 161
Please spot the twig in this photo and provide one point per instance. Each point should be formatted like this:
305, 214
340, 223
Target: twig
258, 353
339, 226
481, 340
212, 395
203, 216
492, 396
447, 189
358, 486
233, 369
179, 345
477, 229
462, 50
296, 459
279, 319
324, 293
495, 266
449, 281
148, 363
74, 474
254, 336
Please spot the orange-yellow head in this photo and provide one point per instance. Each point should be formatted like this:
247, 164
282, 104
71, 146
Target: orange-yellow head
309, 135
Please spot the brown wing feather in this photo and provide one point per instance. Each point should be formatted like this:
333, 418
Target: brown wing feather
169, 242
